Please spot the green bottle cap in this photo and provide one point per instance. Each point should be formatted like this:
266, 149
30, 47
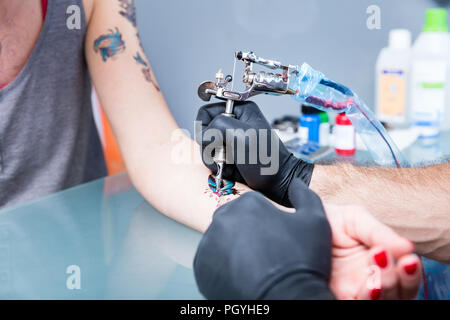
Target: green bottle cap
323, 117
436, 20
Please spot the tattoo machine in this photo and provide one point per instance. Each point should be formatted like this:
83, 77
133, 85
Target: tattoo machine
303, 84
255, 83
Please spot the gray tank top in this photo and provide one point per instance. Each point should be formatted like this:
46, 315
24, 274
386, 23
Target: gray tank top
48, 140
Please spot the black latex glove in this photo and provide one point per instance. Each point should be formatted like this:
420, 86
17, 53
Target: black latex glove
252, 250
247, 116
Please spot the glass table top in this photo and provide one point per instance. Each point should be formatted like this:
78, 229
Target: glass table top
102, 240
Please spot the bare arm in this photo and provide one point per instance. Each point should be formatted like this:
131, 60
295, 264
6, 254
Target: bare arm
141, 120
415, 202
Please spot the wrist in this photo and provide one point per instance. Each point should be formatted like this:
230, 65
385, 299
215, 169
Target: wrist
303, 171
328, 180
299, 170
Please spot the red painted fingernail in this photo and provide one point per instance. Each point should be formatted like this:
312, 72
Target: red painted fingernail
375, 294
381, 259
411, 268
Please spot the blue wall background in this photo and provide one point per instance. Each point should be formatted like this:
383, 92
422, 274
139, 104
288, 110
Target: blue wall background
187, 41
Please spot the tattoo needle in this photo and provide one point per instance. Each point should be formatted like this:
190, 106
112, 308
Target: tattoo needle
221, 153
219, 177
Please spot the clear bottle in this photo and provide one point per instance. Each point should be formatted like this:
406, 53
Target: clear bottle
392, 73
430, 75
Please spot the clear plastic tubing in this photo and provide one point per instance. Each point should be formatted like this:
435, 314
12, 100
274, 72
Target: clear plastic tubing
312, 87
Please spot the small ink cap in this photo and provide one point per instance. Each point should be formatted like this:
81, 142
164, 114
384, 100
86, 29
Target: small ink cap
436, 20
324, 117
400, 39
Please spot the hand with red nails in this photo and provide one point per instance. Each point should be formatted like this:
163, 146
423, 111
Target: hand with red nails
369, 260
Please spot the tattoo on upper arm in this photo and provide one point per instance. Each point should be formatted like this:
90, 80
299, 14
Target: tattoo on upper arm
128, 10
109, 45
139, 59
146, 70
221, 196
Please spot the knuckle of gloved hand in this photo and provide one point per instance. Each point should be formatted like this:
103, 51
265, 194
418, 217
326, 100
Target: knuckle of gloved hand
244, 107
209, 163
250, 197
250, 105
209, 111
219, 123
249, 200
312, 198
214, 109
214, 105
203, 114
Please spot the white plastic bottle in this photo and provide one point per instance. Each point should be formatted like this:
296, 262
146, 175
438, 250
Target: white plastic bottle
392, 74
430, 74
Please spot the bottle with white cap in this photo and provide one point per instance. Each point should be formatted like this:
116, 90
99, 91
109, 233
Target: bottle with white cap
392, 74
430, 75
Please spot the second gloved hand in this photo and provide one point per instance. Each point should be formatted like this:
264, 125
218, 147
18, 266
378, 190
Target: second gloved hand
252, 250
265, 164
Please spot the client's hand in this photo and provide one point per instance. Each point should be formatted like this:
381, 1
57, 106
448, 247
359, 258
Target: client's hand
363, 257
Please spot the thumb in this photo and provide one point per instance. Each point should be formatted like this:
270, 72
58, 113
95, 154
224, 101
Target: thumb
362, 226
302, 197
208, 112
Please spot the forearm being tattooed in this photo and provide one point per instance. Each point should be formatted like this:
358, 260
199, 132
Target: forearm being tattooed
143, 124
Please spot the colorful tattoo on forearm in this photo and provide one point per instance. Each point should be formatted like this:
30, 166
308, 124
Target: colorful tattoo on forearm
221, 196
109, 45
128, 10
146, 70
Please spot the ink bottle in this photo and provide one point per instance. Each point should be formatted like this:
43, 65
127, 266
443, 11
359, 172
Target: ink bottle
309, 123
344, 136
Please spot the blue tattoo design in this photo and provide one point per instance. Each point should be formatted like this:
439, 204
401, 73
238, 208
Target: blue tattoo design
227, 187
128, 10
146, 71
109, 44
139, 60
222, 196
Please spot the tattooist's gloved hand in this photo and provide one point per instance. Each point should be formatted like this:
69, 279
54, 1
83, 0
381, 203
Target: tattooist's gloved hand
248, 116
252, 250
